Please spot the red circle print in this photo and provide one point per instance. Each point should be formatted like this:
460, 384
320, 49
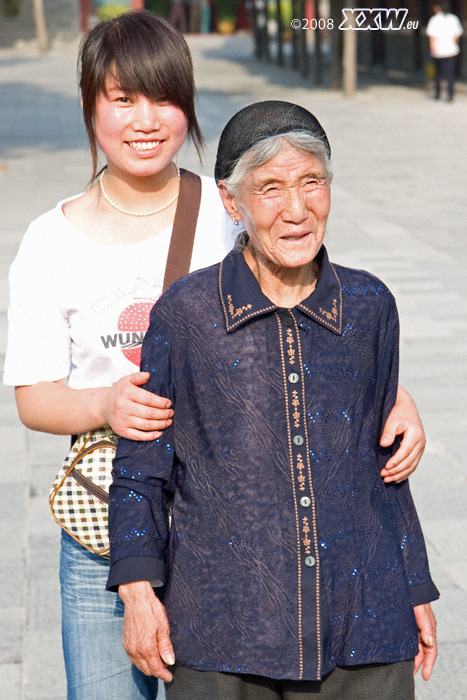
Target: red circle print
133, 324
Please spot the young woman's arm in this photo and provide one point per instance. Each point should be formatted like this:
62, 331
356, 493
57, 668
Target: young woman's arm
405, 421
131, 411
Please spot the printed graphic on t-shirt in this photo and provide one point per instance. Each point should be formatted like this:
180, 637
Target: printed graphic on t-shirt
132, 325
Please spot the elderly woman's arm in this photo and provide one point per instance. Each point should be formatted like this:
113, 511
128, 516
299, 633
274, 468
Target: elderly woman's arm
138, 527
138, 530
138, 521
403, 420
146, 632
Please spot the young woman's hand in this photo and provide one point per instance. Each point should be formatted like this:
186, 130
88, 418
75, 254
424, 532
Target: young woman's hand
134, 412
131, 411
403, 420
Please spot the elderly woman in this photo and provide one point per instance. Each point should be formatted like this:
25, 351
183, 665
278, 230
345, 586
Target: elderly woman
290, 568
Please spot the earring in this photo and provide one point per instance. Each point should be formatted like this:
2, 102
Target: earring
236, 223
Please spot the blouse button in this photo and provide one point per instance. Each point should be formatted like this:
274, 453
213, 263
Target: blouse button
305, 501
287, 321
298, 440
310, 561
293, 378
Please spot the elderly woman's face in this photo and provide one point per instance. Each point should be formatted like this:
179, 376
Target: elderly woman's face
284, 205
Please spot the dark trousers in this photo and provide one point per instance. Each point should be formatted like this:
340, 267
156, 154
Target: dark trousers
372, 682
445, 70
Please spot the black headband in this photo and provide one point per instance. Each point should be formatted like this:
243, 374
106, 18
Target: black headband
257, 122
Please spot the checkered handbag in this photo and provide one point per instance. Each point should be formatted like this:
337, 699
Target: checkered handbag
79, 496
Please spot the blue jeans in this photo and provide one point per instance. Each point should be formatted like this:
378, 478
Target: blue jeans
97, 667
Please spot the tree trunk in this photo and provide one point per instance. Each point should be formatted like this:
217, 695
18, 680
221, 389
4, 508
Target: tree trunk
39, 21
349, 59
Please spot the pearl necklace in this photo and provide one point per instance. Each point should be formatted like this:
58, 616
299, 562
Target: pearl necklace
134, 213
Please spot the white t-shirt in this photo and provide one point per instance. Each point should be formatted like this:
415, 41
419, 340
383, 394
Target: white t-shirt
80, 309
445, 29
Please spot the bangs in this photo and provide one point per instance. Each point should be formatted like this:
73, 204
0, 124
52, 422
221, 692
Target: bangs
148, 62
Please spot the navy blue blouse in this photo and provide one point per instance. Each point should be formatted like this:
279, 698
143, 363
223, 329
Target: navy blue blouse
287, 554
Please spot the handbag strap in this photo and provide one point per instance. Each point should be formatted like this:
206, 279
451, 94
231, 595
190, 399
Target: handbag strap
184, 227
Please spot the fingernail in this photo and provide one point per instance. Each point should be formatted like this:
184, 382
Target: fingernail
430, 641
170, 660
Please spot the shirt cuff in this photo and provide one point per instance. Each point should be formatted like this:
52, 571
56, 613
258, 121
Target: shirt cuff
423, 593
136, 569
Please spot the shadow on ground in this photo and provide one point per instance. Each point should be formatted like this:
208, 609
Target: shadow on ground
23, 107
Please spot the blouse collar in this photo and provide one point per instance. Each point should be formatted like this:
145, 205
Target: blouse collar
243, 300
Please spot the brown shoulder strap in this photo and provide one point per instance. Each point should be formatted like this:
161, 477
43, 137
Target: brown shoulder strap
184, 227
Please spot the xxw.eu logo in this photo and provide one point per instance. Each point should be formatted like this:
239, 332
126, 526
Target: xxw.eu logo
377, 18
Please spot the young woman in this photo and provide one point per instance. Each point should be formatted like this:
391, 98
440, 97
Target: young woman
82, 285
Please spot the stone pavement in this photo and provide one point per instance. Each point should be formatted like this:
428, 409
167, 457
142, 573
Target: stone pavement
398, 210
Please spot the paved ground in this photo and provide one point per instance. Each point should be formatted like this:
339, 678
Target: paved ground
398, 210
61, 18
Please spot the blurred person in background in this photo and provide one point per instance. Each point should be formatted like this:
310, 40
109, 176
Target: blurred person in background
444, 31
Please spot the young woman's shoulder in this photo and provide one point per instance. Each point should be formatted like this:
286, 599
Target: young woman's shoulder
208, 183
210, 192
80, 210
46, 231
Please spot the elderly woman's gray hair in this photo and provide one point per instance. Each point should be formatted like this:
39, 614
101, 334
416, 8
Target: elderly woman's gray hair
258, 122
267, 148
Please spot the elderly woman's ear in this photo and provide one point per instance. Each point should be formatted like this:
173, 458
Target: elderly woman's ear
229, 203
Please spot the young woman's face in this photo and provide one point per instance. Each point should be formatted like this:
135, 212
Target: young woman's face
138, 136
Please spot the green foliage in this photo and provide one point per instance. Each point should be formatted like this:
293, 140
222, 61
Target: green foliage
159, 7
286, 11
11, 8
226, 10
112, 10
